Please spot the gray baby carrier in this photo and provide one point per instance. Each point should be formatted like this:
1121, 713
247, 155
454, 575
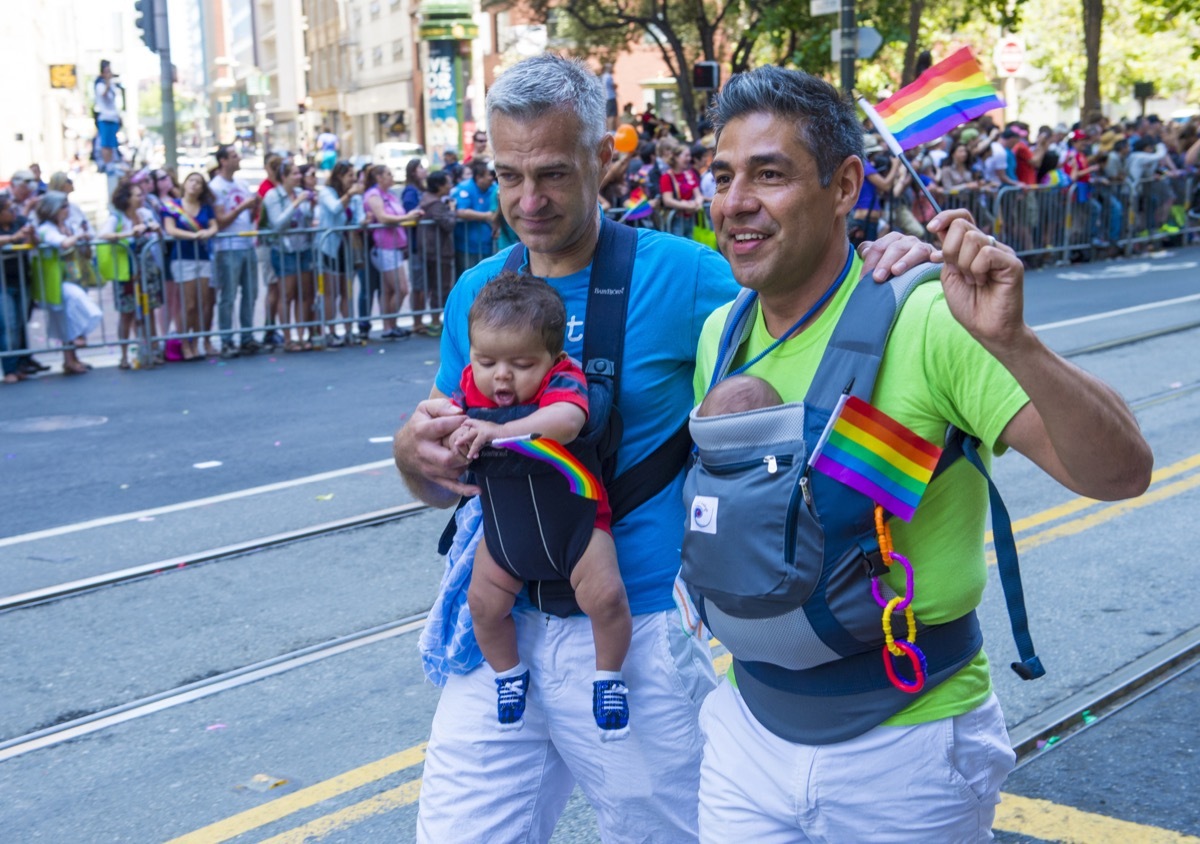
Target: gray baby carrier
780, 560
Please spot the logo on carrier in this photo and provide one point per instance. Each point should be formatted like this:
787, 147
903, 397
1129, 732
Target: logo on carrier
704, 514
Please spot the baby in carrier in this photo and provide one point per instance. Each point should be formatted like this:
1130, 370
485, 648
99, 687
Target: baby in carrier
520, 381
739, 393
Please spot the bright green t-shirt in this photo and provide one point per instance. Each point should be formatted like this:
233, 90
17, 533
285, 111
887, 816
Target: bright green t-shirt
933, 373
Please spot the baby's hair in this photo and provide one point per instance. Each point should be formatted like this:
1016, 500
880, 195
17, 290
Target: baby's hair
739, 393
521, 303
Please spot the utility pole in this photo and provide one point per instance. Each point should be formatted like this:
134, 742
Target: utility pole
849, 29
168, 83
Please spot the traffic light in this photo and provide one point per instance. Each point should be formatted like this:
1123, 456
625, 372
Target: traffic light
145, 22
706, 76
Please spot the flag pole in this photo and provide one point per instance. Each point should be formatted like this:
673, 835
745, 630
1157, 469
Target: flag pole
896, 149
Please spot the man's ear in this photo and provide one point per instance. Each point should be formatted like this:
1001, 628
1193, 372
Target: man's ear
847, 181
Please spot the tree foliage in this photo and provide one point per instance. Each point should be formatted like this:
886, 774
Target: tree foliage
1130, 51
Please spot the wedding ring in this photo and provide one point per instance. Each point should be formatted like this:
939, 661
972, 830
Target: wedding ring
991, 240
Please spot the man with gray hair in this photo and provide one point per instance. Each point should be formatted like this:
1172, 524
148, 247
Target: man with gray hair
547, 126
804, 739
23, 185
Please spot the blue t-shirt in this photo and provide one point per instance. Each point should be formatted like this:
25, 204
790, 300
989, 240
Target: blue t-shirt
474, 237
190, 250
868, 193
676, 284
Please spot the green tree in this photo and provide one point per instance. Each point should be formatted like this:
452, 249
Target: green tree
684, 31
1160, 52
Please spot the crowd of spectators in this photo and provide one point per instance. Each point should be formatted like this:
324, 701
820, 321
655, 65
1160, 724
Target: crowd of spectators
179, 258
336, 249
1110, 164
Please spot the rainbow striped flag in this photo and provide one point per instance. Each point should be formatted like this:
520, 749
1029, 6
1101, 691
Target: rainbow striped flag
872, 453
950, 93
581, 481
637, 207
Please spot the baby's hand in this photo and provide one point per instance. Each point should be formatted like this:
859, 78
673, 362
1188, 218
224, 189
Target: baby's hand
476, 434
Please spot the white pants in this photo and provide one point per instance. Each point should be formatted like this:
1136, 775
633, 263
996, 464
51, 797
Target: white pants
938, 781
481, 784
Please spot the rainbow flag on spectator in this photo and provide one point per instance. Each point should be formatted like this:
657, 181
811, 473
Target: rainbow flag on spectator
872, 453
581, 481
949, 94
637, 207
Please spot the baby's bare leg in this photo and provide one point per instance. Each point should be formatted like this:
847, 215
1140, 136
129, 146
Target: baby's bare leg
490, 597
601, 594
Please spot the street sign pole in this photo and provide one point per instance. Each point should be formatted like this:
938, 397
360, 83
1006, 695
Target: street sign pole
167, 84
849, 47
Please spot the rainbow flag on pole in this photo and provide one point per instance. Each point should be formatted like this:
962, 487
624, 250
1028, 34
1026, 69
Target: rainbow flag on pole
872, 453
581, 481
637, 207
949, 94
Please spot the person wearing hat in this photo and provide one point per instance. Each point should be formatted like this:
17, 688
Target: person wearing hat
74, 315
24, 194
108, 116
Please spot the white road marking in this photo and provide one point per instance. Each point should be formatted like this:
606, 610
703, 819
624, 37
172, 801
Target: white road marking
187, 505
1165, 303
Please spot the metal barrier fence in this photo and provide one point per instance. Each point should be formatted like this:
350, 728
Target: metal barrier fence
318, 287
303, 288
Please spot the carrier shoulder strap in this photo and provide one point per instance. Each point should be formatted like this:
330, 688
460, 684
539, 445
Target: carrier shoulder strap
852, 358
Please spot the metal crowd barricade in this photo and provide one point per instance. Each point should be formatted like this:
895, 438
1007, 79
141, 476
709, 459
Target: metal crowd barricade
1163, 207
978, 202
16, 302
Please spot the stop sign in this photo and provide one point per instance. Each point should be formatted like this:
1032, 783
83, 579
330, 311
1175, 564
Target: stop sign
1009, 56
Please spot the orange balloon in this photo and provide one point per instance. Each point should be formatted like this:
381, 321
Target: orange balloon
626, 139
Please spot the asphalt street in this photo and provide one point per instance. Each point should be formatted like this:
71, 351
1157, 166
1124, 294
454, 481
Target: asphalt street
122, 468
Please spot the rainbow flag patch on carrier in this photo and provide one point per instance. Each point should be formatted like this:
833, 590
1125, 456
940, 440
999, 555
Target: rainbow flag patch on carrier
874, 454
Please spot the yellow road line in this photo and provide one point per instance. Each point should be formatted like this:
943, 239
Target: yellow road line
1108, 513
1067, 825
242, 822
1073, 506
396, 798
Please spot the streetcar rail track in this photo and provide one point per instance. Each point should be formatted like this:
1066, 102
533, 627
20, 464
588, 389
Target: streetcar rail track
76, 727
1106, 697
225, 552
1129, 340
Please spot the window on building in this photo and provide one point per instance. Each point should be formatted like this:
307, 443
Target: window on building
357, 16
359, 60
398, 49
377, 56
375, 10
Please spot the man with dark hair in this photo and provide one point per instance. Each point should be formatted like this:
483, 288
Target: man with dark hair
787, 756
452, 166
475, 200
235, 266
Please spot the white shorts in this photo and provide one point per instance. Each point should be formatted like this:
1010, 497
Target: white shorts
186, 270
938, 781
386, 260
481, 784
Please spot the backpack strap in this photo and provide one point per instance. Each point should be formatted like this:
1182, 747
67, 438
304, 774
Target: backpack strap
960, 444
